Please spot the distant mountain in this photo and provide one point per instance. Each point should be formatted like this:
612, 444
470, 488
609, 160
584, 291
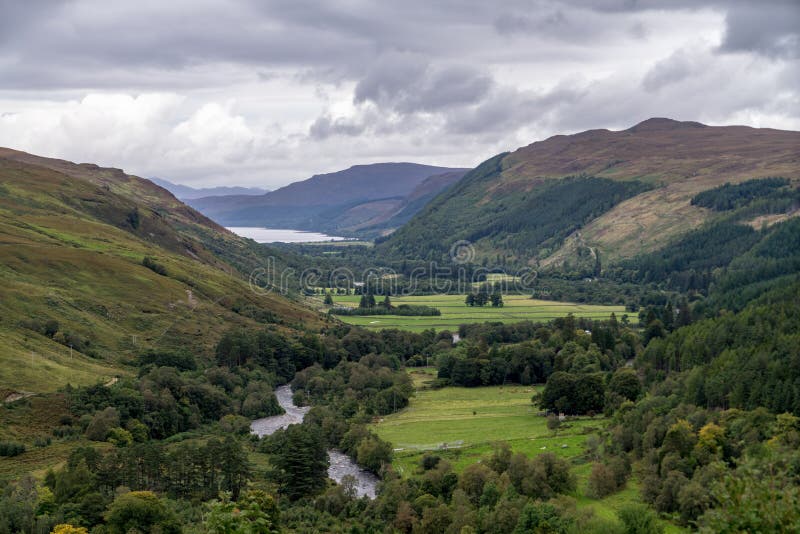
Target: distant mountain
184, 192
598, 197
360, 200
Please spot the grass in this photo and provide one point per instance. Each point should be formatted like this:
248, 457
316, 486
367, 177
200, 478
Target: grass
454, 312
469, 420
462, 423
68, 254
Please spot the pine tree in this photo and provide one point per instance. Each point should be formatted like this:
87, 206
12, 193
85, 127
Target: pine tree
301, 459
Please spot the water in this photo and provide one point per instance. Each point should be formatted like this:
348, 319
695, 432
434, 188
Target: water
276, 235
340, 465
294, 414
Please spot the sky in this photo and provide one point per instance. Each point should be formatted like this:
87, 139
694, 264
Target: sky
267, 92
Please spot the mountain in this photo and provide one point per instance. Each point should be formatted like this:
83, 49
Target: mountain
358, 200
99, 266
596, 197
184, 192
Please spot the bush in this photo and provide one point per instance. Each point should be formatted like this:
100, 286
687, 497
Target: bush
373, 452
601, 482
42, 441
140, 511
151, 264
11, 448
639, 519
102, 423
403, 309
120, 437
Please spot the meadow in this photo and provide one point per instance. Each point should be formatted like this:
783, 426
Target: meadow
455, 312
461, 425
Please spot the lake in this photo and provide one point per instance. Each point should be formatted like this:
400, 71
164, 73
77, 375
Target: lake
277, 235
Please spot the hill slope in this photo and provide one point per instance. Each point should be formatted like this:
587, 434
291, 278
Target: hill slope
77, 303
616, 194
346, 201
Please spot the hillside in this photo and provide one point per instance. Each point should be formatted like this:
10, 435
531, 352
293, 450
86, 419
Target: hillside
77, 304
607, 194
184, 192
347, 202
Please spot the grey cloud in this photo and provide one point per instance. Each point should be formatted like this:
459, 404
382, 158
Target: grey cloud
508, 108
673, 69
327, 126
769, 28
524, 23
408, 83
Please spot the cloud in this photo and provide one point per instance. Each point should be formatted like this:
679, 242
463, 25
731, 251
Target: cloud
408, 83
770, 28
677, 67
265, 91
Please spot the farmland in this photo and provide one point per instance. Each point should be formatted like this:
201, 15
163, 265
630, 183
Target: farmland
454, 312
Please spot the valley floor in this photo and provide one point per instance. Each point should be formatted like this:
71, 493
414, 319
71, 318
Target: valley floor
455, 312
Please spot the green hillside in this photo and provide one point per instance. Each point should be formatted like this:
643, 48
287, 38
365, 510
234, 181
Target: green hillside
568, 200
77, 303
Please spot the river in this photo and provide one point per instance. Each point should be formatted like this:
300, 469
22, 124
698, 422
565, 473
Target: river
340, 465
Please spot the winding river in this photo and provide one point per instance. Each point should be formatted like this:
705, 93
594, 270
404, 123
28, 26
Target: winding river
340, 465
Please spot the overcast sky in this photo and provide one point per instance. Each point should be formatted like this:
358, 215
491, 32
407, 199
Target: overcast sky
265, 92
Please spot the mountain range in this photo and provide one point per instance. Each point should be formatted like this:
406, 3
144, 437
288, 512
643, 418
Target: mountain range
361, 200
184, 192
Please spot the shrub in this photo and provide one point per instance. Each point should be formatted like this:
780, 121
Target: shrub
102, 423
11, 448
601, 481
639, 519
151, 264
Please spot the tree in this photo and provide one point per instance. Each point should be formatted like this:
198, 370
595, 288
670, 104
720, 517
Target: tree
626, 384
470, 300
497, 300
301, 460
256, 512
373, 452
601, 481
367, 300
328, 299
140, 511
541, 517
102, 423
387, 302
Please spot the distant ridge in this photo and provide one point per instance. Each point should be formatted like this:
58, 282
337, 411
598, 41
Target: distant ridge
350, 201
184, 192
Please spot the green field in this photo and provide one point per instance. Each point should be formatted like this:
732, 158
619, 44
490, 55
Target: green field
460, 425
454, 312
463, 422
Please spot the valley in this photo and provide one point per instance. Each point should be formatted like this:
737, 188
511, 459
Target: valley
649, 367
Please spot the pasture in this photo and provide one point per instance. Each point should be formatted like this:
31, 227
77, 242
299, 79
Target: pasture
455, 312
461, 424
